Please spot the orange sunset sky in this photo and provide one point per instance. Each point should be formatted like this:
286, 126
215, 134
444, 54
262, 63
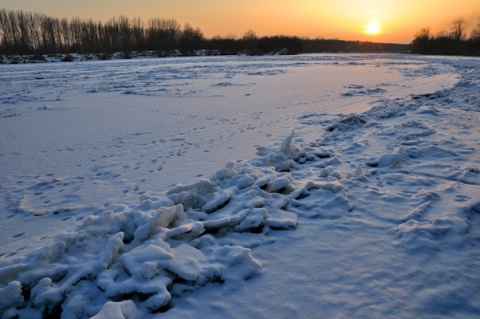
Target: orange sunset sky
372, 20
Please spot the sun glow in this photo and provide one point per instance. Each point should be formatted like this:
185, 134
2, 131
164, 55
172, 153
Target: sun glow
373, 28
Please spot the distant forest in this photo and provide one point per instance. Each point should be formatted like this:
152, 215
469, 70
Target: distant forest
456, 41
23, 33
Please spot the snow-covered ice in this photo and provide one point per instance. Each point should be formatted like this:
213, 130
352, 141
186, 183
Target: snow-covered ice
311, 186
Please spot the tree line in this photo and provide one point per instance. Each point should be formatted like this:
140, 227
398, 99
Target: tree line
24, 33
33, 33
456, 41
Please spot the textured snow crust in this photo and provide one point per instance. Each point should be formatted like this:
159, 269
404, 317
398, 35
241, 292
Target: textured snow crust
369, 208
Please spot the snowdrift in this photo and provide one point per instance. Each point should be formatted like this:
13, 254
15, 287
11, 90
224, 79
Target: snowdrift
197, 234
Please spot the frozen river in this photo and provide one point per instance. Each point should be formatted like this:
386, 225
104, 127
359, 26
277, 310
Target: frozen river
111, 130
175, 187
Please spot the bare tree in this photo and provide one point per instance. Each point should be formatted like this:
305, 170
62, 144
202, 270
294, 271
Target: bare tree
163, 34
9, 30
459, 29
66, 34
475, 35
190, 38
50, 34
138, 34
421, 41
250, 35
250, 41
125, 33
424, 34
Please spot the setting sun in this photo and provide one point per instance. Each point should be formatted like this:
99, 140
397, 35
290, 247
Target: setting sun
373, 28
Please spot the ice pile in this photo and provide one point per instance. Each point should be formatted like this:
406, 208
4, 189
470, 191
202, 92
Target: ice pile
162, 247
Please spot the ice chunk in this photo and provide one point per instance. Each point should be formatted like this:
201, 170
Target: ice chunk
282, 220
254, 219
287, 146
279, 185
11, 295
118, 310
219, 200
164, 218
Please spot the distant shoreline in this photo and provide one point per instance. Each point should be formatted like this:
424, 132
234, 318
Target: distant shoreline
77, 57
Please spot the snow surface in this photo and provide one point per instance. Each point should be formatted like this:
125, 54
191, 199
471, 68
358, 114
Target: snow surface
311, 186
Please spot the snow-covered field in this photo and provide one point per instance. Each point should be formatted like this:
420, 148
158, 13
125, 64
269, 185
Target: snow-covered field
311, 186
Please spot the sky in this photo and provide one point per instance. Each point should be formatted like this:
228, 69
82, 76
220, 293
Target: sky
366, 20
